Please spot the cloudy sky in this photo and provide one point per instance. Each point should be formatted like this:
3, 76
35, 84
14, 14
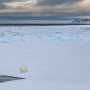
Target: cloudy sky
41, 8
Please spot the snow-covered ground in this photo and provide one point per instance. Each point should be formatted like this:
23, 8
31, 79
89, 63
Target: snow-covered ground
57, 57
44, 33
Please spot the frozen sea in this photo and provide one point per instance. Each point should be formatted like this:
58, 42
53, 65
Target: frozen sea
44, 33
57, 57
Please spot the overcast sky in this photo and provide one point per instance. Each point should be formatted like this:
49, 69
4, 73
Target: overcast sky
35, 8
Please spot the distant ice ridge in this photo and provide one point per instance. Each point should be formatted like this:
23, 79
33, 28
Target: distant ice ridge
44, 33
81, 21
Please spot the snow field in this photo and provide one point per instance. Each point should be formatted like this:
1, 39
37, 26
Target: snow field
52, 64
44, 33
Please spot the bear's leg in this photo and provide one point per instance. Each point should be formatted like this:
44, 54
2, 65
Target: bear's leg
21, 70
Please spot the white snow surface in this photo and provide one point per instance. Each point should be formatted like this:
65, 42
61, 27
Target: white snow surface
57, 57
44, 33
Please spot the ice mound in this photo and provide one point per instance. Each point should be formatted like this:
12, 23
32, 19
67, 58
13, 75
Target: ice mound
45, 33
81, 21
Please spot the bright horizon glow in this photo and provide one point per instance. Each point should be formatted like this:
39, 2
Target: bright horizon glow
20, 4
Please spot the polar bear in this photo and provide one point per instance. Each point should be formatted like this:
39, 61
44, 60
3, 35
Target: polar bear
23, 69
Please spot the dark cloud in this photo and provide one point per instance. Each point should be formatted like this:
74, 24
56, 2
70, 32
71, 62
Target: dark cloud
64, 10
45, 14
2, 6
1, 1
55, 2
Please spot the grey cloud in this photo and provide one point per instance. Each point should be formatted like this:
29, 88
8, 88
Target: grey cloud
1, 1
50, 11
2, 6
55, 2
43, 14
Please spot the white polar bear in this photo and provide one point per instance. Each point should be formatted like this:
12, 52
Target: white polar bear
23, 69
